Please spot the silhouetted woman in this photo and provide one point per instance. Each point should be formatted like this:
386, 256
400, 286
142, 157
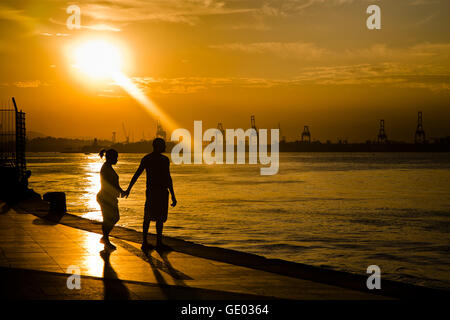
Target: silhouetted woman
107, 197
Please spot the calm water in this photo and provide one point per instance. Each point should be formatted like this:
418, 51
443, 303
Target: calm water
341, 211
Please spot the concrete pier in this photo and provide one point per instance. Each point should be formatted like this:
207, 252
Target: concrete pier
37, 256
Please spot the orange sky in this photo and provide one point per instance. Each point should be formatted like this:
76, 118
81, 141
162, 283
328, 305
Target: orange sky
297, 62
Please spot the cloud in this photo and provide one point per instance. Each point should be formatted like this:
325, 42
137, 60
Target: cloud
184, 11
96, 27
286, 7
182, 85
28, 84
390, 74
7, 13
47, 34
300, 50
400, 75
431, 49
102, 27
190, 85
310, 51
110, 93
423, 2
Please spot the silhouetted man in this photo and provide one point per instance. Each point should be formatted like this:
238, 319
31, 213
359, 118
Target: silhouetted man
159, 182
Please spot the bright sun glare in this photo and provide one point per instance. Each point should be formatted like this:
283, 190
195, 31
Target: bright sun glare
98, 59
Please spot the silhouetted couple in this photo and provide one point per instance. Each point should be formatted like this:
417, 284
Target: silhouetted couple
159, 183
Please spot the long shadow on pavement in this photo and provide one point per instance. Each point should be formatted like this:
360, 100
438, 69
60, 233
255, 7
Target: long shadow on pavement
114, 289
157, 266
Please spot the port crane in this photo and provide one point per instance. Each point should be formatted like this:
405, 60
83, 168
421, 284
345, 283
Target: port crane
127, 136
306, 134
160, 133
382, 137
253, 123
420, 133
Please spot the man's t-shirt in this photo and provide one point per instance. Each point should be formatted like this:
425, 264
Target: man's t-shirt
156, 166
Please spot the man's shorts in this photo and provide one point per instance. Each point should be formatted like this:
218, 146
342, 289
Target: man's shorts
156, 204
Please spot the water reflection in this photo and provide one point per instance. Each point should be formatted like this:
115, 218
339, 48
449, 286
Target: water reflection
113, 288
92, 187
93, 263
343, 210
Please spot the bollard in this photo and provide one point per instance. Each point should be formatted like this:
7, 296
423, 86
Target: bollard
57, 201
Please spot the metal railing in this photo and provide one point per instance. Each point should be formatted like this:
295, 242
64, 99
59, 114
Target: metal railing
12, 138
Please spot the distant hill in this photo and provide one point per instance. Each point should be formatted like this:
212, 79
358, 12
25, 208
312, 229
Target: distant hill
35, 134
51, 144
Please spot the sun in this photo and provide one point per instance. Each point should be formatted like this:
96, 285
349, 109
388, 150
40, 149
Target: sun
102, 61
98, 59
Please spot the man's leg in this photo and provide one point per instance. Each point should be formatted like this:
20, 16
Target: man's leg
163, 210
159, 231
145, 225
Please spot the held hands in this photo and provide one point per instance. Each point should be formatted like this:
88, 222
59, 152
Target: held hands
125, 194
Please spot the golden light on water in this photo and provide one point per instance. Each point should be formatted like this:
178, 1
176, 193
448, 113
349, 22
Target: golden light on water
93, 263
93, 186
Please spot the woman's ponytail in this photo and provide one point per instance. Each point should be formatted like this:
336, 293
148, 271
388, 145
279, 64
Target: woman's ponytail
101, 153
110, 155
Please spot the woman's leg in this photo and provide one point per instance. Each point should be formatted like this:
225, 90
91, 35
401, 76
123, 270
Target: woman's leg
106, 228
110, 218
105, 225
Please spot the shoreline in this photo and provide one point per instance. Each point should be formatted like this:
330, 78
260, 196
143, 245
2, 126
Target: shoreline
382, 149
342, 279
